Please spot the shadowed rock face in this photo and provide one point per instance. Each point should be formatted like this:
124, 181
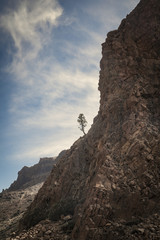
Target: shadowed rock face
112, 174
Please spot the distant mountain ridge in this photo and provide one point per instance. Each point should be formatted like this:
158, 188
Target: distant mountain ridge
29, 176
15, 200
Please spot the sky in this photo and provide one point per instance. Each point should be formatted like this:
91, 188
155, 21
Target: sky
49, 71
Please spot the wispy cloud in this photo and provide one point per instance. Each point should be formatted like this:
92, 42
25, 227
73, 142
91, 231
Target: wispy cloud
50, 95
27, 25
56, 78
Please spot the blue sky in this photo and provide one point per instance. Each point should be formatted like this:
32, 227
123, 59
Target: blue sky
49, 71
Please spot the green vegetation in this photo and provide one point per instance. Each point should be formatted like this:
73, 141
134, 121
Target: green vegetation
82, 122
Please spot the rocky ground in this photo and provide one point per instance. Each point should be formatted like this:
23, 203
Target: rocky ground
135, 229
47, 229
12, 206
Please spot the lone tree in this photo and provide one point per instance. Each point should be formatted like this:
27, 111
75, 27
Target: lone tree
82, 122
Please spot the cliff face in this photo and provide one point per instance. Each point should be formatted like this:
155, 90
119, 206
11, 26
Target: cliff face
112, 174
29, 176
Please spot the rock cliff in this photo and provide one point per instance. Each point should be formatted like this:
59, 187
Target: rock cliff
12, 205
29, 176
109, 179
15, 200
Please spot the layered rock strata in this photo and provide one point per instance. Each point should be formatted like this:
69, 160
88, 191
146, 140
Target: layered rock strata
29, 176
112, 174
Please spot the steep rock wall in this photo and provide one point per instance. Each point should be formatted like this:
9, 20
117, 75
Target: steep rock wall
113, 172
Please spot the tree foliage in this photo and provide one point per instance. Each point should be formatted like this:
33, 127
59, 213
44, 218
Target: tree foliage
82, 122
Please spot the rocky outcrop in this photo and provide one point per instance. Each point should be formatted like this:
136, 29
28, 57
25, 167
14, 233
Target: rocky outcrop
15, 200
12, 205
29, 176
109, 179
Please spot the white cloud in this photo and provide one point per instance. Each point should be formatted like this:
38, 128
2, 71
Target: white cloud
58, 91
46, 148
51, 93
28, 23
